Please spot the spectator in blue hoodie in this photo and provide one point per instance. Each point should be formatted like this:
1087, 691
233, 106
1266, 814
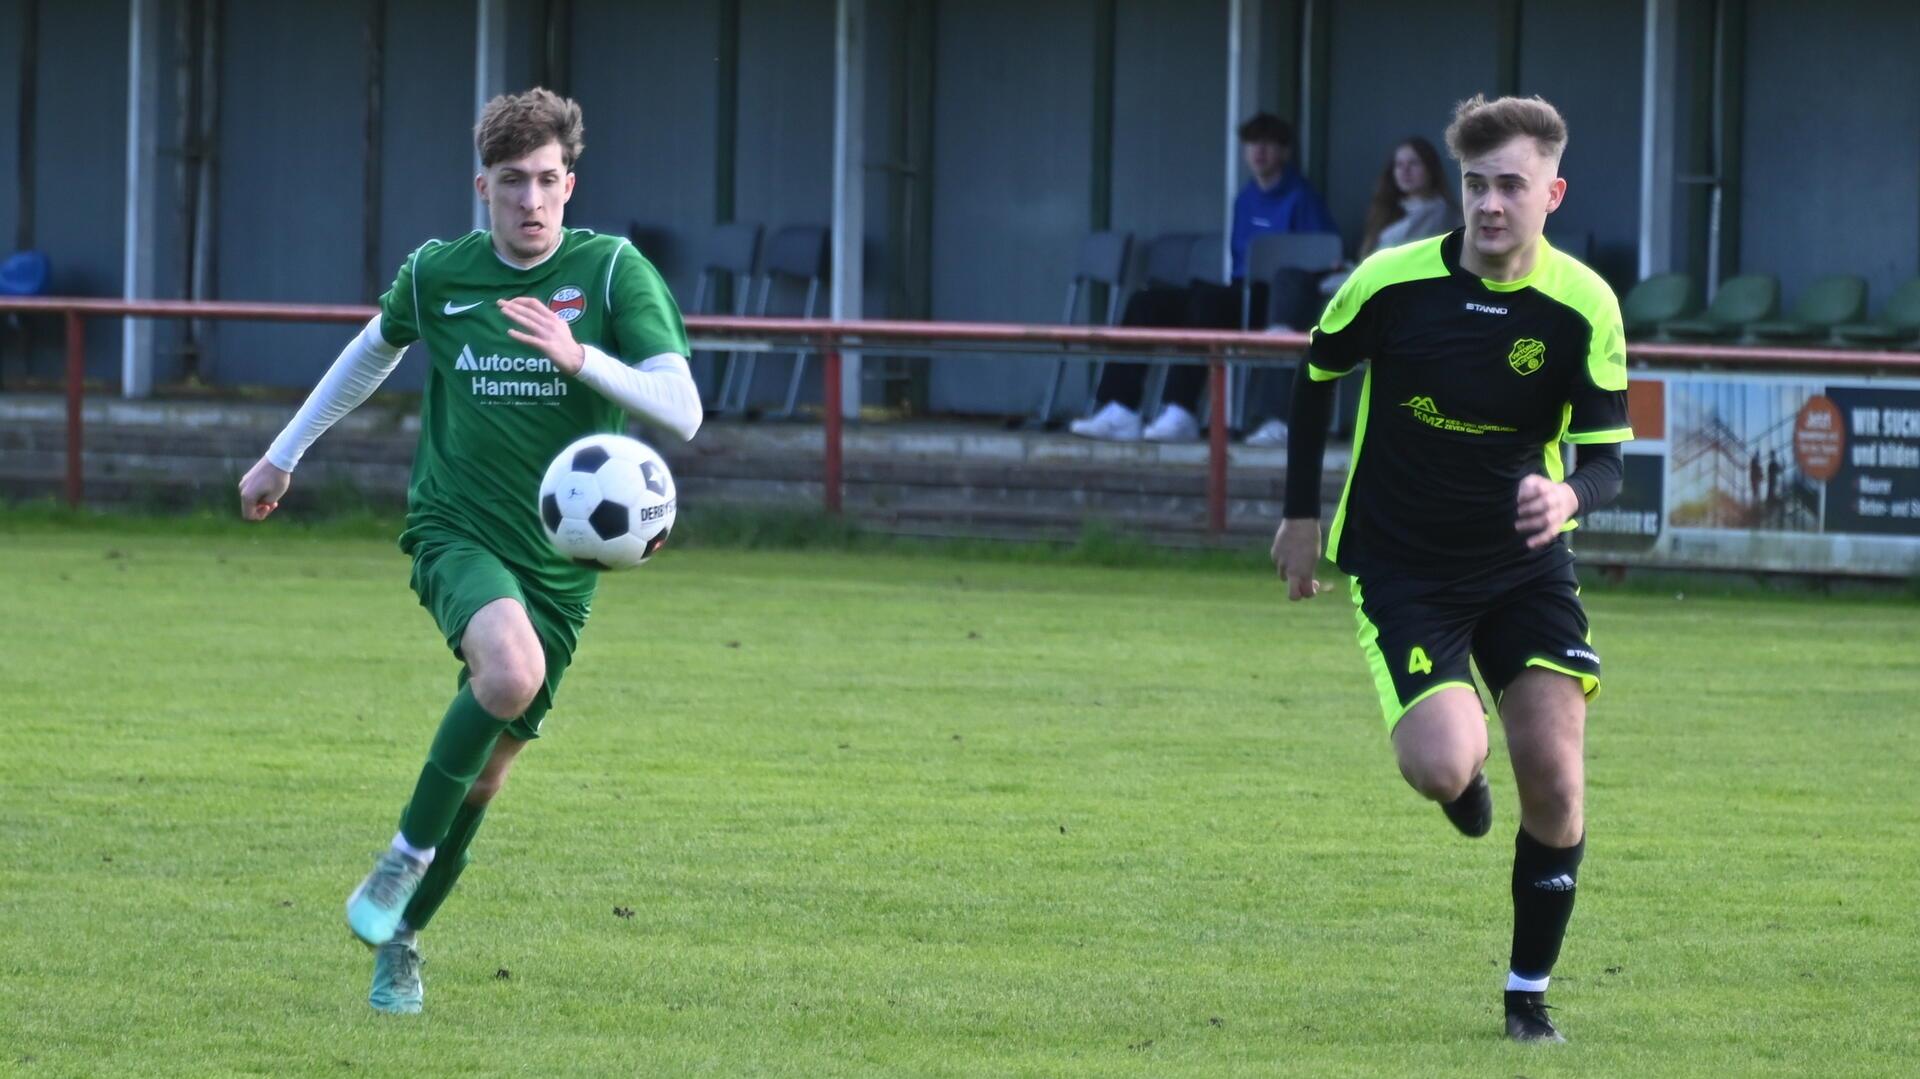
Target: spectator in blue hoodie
1276, 199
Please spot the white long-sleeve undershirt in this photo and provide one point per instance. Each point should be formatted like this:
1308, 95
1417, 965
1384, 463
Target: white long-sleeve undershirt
362, 366
660, 391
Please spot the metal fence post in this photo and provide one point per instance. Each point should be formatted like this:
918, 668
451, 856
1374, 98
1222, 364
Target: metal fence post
76, 390
1216, 443
830, 379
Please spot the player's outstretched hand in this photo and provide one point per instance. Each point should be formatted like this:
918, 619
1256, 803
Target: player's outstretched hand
261, 490
1296, 554
1543, 506
544, 330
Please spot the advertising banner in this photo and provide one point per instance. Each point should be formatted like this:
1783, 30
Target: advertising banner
1767, 473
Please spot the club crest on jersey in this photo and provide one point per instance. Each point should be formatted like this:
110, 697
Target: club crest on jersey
1528, 356
569, 303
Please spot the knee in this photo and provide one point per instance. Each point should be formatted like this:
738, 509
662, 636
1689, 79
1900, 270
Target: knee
1556, 805
507, 689
1441, 777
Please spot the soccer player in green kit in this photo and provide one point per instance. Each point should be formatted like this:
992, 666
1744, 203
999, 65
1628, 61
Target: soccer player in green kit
535, 335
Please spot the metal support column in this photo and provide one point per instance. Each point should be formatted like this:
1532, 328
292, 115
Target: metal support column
1657, 105
489, 74
137, 264
849, 185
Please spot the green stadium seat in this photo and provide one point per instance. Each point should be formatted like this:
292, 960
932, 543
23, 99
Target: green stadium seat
1658, 299
1827, 303
1898, 323
1741, 301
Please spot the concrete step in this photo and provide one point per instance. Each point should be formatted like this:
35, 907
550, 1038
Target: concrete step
946, 478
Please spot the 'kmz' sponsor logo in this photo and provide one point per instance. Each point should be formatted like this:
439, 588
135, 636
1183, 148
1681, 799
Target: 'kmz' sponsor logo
1427, 412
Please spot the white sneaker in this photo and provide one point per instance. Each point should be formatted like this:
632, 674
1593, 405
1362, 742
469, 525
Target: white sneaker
1114, 422
1173, 424
1270, 433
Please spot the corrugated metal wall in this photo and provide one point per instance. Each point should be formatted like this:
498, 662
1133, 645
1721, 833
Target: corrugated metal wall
79, 163
1011, 187
1831, 143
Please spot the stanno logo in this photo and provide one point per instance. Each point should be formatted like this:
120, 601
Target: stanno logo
1485, 310
1581, 653
1561, 883
1528, 356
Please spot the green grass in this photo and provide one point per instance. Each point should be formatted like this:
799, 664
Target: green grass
890, 815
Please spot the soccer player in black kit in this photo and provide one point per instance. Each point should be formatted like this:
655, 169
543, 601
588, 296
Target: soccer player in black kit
1486, 351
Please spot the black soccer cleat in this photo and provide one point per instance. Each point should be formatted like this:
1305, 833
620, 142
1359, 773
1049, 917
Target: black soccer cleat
1527, 1018
1472, 812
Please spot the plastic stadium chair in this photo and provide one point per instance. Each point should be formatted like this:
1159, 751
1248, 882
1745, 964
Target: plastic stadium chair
1267, 254
795, 253
1167, 259
1167, 266
733, 251
1103, 261
25, 273
1827, 303
1740, 302
1206, 259
1271, 252
1898, 323
1660, 298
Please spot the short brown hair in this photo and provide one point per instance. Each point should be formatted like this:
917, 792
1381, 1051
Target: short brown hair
1266, 127
1481, 126
515, 125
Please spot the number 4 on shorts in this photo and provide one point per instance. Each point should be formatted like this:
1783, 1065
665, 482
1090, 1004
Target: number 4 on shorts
1417, 661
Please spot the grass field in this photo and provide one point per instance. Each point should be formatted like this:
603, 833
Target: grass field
902, 815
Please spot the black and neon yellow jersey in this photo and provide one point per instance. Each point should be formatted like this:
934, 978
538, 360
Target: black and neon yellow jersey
1470, 386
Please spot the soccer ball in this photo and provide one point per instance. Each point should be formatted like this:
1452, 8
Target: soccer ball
607, 502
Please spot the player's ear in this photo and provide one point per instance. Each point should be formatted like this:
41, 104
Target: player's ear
1556, 191
480, 185
568, 193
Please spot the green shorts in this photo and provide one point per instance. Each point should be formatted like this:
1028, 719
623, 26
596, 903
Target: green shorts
455, 577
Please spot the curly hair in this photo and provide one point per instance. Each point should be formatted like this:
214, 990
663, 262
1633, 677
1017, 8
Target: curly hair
515, 125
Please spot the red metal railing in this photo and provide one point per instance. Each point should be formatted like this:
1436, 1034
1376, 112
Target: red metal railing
1215, 347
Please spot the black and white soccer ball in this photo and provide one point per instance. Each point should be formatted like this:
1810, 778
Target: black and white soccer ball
607, 502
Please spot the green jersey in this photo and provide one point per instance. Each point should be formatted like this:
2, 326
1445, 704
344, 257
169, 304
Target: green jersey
495, 412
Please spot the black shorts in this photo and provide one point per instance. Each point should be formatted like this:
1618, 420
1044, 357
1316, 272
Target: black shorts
1419, 633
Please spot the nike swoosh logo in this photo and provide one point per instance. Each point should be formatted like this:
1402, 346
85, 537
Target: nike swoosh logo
452, 310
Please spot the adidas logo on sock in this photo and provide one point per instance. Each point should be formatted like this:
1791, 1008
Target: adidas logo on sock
1561, 883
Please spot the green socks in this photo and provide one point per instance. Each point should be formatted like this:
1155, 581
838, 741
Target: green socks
448, 861
460, 751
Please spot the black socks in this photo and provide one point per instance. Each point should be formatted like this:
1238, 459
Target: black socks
1544, 880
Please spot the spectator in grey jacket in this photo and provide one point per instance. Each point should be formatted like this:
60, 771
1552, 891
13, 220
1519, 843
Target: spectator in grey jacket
1410, 202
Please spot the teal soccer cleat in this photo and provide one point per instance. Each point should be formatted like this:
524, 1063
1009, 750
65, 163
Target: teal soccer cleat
374, 909
396, 977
